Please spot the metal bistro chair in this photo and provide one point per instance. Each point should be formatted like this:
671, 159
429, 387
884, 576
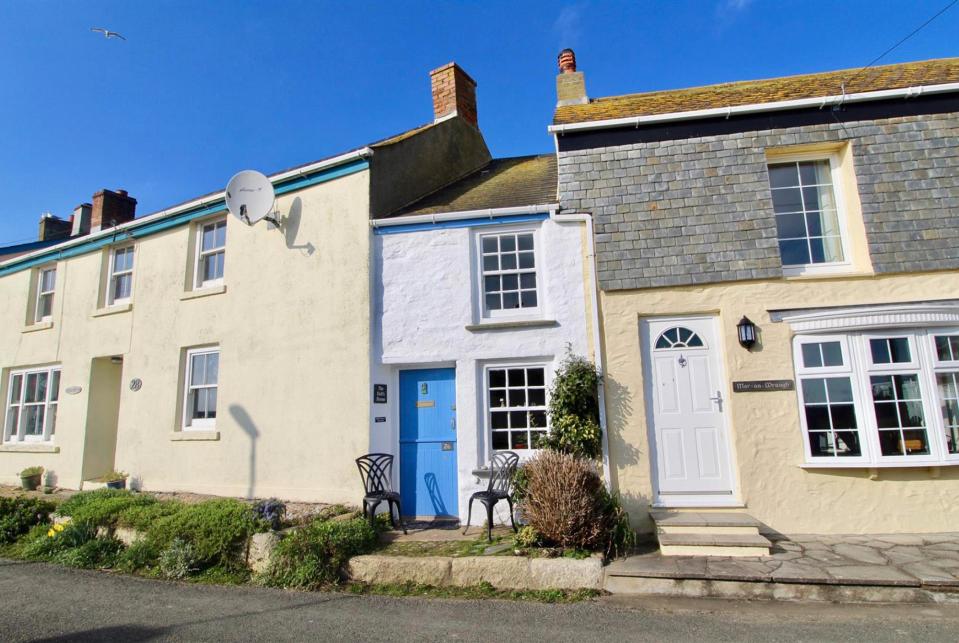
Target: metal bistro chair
502, 468
376, 470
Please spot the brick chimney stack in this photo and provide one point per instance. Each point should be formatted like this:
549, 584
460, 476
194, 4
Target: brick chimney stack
111, 208
454, 92
52, 227
570, 84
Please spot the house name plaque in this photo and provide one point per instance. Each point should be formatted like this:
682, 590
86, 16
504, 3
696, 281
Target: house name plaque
760, 386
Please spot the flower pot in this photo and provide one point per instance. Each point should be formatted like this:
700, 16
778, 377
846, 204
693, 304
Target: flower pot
117, 484
30, 483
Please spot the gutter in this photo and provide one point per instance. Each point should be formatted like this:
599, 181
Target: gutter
487, 213
757, 108
597, 348
203, 202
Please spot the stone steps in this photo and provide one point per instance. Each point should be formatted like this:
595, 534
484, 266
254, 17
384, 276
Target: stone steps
709, 533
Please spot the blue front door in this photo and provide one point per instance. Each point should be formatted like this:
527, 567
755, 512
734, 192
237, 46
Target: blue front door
428, 442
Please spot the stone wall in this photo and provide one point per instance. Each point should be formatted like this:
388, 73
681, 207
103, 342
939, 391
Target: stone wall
698, 210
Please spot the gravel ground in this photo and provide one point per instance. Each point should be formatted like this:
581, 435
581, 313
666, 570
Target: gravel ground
57, 604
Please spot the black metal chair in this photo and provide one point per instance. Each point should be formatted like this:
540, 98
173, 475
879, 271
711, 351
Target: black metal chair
502, 468
376, 470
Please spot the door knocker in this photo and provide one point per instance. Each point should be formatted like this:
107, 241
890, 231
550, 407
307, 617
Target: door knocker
682, 361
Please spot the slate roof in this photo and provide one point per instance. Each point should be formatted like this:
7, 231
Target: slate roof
914, 74
502, 183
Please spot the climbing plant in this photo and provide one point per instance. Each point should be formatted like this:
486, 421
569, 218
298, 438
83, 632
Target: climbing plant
574, 409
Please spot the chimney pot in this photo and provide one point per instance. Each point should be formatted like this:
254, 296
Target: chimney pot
567, 61
454, 92
570, 84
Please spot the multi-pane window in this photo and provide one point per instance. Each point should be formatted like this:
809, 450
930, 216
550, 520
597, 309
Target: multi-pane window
203, 373
517, 406
32, 398
211, 253
46, 284
120, 285
829, 407
947, 384
880, 397
509, 272
807, 216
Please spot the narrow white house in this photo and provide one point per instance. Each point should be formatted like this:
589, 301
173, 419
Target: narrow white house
479, 290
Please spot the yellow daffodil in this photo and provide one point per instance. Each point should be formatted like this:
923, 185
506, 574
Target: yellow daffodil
51, 534
58, 527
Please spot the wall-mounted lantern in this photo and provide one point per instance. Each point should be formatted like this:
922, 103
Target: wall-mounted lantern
747, 333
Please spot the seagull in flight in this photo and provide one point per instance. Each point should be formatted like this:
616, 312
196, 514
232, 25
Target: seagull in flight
107, 33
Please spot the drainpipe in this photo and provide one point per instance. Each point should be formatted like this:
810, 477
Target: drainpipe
594, 312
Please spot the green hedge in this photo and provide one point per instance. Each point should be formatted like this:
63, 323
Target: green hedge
216, 530
317, 554
103, 507
19, 515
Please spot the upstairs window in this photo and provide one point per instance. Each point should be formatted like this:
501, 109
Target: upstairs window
808, 220
32, 398
211, 253
200, 393
46, 284
509, 280
120, 285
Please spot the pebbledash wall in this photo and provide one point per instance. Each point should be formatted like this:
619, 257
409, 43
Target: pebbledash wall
687, 226
425, 316
292, 325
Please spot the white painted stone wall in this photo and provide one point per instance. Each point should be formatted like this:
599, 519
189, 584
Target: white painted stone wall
425, 295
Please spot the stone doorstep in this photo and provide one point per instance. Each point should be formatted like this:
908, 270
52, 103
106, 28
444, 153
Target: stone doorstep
502, 572
703, 519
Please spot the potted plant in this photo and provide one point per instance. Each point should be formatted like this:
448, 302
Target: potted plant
30, 477
115, 479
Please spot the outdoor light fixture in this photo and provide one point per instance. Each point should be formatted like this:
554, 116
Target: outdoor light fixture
747, 333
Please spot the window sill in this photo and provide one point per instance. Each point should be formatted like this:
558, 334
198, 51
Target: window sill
204, 292
113, 310
880, 465
824, 271
516, 324
32, 328
29, 448
194, 436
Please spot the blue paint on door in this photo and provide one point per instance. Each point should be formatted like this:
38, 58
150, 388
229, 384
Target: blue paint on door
428, 442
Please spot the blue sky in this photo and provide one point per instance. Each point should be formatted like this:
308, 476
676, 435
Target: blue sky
200, 90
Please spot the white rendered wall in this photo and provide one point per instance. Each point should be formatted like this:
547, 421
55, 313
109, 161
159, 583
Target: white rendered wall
424, 295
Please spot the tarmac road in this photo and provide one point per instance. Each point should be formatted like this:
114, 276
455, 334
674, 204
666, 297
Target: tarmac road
49, 603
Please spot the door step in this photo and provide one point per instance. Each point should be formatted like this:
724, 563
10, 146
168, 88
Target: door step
694, 533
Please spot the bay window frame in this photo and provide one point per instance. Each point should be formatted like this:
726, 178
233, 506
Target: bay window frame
859, 365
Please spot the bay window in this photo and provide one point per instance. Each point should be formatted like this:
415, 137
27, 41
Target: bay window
879, 398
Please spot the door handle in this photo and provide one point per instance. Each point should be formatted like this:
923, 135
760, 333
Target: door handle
718, 399
453, 423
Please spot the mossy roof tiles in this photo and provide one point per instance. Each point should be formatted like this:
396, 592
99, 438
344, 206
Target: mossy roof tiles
914, 74
502, 183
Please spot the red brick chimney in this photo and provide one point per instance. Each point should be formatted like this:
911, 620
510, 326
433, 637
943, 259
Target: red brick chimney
111, 209
570, 84
454, 92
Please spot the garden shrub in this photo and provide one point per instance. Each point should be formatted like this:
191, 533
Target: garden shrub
19, 515
96, 553
564, 500
527, 537
317, 554
179, 560
574, 409
103, 506
45, 543
139, 556
216, 530
141, 517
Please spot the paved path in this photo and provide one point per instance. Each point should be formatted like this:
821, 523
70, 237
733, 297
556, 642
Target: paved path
47, 603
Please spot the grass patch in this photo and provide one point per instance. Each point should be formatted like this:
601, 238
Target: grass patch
482, 591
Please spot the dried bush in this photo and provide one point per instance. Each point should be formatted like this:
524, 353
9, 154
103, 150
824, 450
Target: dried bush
564, 500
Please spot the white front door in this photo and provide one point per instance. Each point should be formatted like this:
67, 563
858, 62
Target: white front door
686, 392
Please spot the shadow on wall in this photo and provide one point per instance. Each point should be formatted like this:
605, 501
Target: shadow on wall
249, 427
433, 488
619, 407
290, 225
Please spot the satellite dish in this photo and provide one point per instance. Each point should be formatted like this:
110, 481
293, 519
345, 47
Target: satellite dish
249, 196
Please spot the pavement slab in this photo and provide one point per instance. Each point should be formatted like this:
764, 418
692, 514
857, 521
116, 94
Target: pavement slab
872, 575
860, 553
